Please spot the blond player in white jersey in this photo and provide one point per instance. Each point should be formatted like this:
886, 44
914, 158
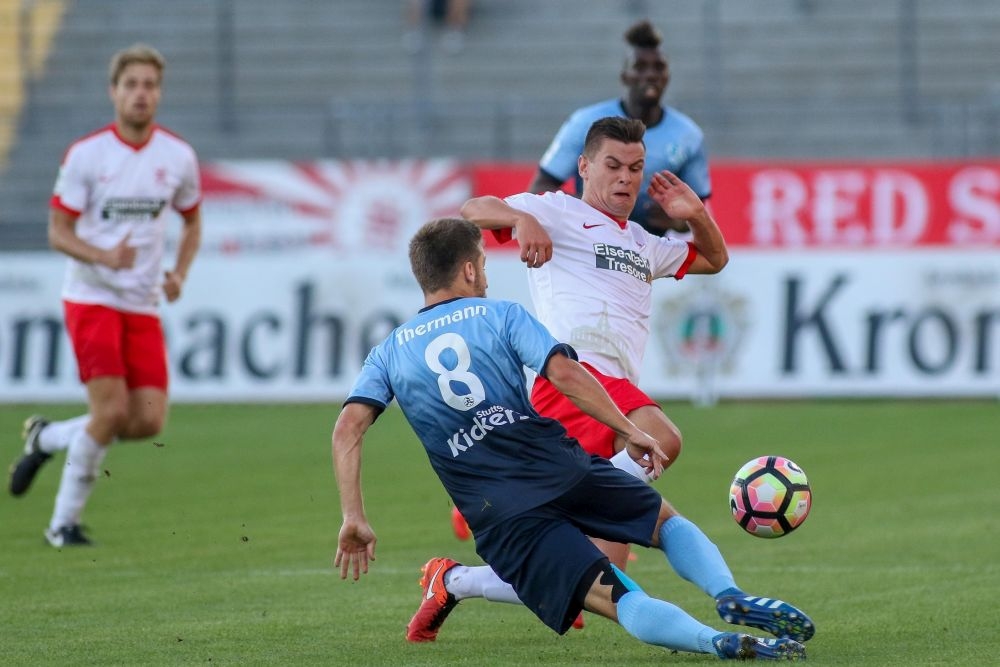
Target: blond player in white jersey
591, 274
108, 214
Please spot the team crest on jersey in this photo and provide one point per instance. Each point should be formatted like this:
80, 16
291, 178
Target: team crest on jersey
701, 331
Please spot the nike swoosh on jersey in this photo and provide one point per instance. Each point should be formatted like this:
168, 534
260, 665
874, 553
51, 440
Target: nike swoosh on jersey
430, 584
586, 226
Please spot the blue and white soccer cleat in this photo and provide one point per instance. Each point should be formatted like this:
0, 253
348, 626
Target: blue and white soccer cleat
768, 614
736, 646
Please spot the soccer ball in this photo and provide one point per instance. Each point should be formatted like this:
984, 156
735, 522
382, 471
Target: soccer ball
770, 496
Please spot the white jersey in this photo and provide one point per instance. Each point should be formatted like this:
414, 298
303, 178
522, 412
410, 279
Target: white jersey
595, 292
118, 189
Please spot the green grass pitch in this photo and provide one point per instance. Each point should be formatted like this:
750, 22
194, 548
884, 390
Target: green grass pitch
215, 542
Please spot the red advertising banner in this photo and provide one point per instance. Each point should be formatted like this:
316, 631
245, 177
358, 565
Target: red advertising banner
796, 205
351, 206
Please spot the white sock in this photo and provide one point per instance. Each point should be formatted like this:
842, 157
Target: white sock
56, 436
479, 582
623, 461
83, 461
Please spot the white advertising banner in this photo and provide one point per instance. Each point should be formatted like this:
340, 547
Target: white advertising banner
296, 325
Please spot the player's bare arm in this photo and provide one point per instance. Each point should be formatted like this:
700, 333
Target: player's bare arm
494, 213
586, 392
356, 542
187, 248
543, 182
680, 202
63, 237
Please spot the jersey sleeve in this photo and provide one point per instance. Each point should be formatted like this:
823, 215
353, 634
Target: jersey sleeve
670, 258
188, 195
521, 202
560, 158
530, 339
541, 206
72, 188
372, 384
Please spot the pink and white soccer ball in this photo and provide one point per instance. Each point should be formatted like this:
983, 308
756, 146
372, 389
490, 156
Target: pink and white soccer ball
770, 496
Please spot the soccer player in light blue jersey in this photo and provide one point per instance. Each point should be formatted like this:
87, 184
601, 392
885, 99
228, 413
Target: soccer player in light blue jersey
674, 142
531, 494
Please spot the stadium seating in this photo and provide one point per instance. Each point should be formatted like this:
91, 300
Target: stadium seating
302, 80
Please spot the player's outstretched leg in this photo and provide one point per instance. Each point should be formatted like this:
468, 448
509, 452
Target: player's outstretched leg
436, 604
695, 558
664, 624
24, 470
768, 614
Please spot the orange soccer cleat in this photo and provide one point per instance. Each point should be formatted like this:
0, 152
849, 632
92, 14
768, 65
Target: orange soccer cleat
436, 604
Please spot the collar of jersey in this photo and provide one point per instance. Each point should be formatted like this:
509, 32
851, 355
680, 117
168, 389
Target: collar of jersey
663, 107
439, 303
133, 146
621, 223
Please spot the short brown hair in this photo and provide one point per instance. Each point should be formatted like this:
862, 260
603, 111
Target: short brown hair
137, 53
440, 248
616, 128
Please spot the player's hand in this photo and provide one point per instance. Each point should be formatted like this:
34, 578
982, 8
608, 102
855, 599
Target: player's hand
356, 546
173, 282
677, 200
647, 451
121, 256
536, 246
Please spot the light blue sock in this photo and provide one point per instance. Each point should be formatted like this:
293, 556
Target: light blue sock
694, 556
663, 624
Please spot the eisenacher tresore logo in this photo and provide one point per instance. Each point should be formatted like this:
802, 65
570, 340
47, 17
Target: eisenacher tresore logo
122, 209
619, 259
701, 330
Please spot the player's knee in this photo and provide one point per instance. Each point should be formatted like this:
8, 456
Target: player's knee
109, 419
670, 437
667, 512
654, 422
144, 426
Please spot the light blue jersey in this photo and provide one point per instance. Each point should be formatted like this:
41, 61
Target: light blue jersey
457, 371
676, 143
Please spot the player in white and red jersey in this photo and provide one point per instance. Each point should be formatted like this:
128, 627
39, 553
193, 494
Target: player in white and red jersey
108, 214
591, 270
118, 191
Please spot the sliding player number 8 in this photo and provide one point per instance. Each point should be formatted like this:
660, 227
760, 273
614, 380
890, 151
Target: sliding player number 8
459, 374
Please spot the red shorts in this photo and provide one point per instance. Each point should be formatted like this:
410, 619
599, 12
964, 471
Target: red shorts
594, 436
115, 343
